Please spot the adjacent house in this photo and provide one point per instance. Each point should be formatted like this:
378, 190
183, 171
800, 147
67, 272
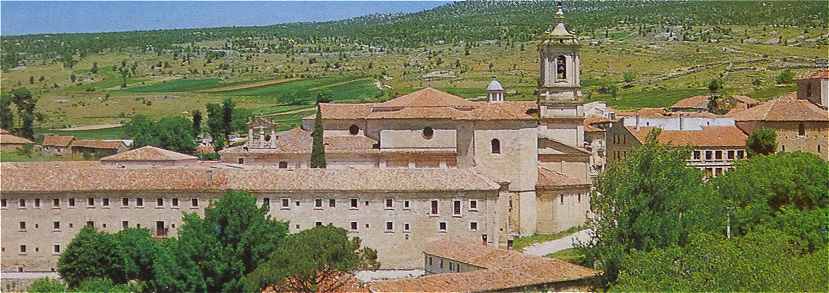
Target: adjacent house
57, 144
10, 142
97, 148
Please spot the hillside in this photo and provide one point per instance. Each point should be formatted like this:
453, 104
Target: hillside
653, 52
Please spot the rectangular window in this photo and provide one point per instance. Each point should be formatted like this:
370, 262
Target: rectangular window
125, 202
473, 226
561, 198
708, 155
139, 202
353, 226
105, 201
332, 203
159, 202
21, 203
389, 226
718, 155
125, 224
354, 203
175, 202
740, 154
283, 165
55, 225
456, 208
318, 224
90, 224
37, 202
406, 227
730, 155
22, 248
286, 203
801, 129
71, 202
3, 203
318, 203
697, 155
56, 202
434, 208
90, 202
442, 227
389, 203
473, 205
56, 248
406, 205
194, 202
22, 225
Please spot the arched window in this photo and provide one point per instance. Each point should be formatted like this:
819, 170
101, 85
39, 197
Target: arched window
561, 67
496, 146
354, 129
428, 132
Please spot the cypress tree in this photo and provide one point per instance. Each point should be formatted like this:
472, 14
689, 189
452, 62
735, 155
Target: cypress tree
318, 150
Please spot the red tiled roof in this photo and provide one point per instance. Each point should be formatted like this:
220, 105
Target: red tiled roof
58, 140
786, 108
8, 138
427, 97
695, 102
709, 136
551, 179
149, 153
820, 74
98, 144
644, 112
299, 141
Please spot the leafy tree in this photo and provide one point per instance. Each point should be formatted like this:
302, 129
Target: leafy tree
714, 86
94, 69
104, 285
91, 254
293, 98
214, 253
196, 123
628, 78
143, 131
215, 124
47, 285
784, 191
650, 200
314, 260
785, 77
227, 116
763, 260
6, 115
73, 77
762, 141
318, 147
176, 133
137, 250
25, 104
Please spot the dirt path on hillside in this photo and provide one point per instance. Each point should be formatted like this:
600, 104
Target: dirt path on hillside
335, 84
90, 127
248, 85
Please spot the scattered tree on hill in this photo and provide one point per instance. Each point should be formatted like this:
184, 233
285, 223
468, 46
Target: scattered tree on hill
6, 115
318, 147
215, 124
25, 103
227, 117
714, 86
73, 78
94, 69
628, 77
196, 123
320, 259
785, 77
659, 203
172, 133
762, 141
31, 80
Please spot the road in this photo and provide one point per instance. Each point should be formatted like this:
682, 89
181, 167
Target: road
545, 248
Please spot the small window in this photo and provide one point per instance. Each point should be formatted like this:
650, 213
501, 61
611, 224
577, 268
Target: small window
3, 203
125, 202
456, 208
389, 203
125, 224
801, 129
71, 202
318, 203
105, 201
55, 225
434, 210
332, 203
578, 198
286, 203
740, 154
473, 204
317, 224
354, 203
22, 250
730, 155
354, 130
389, 226
194, 202
55, 203
428, 132
718, 155
90, 202
283, 165
473, 226
353, 226
442, 226
22, 203
37, 202
159, 202
22, 225
90, 224
175, 202
496, 146
406, 227
561, 198
406, 205
139, 202
241, 161
56, 248
697, 155
709, 155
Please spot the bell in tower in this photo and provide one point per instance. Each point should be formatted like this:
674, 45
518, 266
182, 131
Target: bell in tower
559, 63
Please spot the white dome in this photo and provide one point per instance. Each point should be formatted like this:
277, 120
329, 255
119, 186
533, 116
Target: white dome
494, 85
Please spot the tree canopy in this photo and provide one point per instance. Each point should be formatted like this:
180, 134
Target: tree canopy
172, 133
762, 141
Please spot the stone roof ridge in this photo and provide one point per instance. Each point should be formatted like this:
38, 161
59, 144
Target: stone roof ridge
427, 97
149, 153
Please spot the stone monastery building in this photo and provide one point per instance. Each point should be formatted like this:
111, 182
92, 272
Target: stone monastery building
418, 168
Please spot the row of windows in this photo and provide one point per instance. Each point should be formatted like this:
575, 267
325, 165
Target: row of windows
105, 202
25, 249
390, 226
453, 267
353, 203
56, 225
718, 155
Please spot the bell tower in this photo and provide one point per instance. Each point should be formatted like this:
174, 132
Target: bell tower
559, 63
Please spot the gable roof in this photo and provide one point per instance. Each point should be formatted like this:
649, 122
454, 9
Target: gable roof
7, 138
549, 179
149, 153
786, 108
98, 144
427, 97
820, 74
299, 141
709, 136
695, 102
58, 140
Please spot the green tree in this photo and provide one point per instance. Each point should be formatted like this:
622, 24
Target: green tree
73, 77
91, 254
214, 253
628, 77
143, 131
94, 69
137, 250
785, 77
650, 200
318, 147
104, 285
765, 260
714, 86
25, 103
762, 141
176, 134
314, 260
784, 191
47, 285
215, 126
227, 116
196, 123
6, 115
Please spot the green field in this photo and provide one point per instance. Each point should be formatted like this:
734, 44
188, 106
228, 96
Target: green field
106, 133
179, 85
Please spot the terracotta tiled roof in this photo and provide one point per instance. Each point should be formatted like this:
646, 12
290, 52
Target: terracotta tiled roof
339, 283
501, 270
7, 138
820, 74
66, 176
58, 140
644, 112
695, 102
344, 111
786, 108
746, 100
149, 153
517, 110
709, 136
299, 141
551, 179
427, 97
98, 144
589, 123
